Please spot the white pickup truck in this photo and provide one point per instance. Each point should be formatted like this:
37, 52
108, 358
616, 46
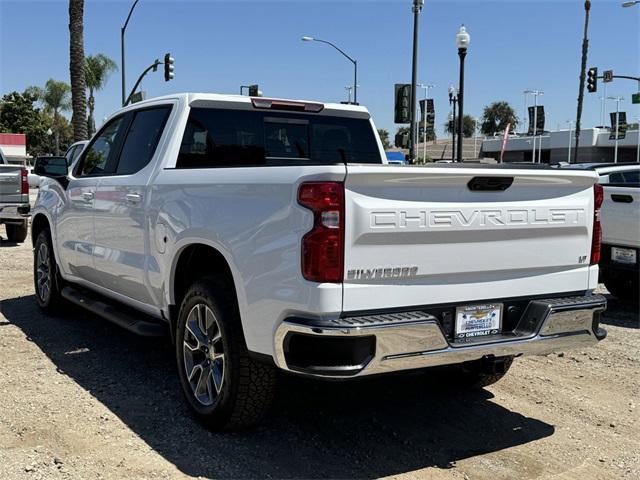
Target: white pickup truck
14, 200
619, 265
268, 234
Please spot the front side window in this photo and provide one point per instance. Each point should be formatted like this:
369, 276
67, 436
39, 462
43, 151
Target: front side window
101, 149
141, 140
232, 138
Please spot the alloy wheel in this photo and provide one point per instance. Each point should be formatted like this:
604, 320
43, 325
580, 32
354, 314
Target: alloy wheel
43, 273
204, 355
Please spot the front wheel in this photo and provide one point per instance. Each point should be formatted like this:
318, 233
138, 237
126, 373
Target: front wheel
17, 232
223, 386
47, 281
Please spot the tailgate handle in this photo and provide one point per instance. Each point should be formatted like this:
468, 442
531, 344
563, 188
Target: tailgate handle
489, 184
622, 198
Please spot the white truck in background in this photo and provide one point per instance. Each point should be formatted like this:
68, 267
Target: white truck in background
14, 200
269, 234
619, 265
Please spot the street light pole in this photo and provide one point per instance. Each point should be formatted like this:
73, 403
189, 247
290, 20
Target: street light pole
570, 132
122, 66
307, 38
424, 123
536, 94
417, 8
475, 138
453, 99
462, 42
615, 150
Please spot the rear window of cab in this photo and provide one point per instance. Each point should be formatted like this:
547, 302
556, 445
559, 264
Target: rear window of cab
235, 138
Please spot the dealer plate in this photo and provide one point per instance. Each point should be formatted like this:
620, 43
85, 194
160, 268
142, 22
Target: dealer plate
623, 255
478, 320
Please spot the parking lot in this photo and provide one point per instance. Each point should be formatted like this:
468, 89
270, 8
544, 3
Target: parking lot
84, 399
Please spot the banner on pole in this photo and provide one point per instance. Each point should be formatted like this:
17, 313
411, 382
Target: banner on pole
504, 141
622, 126
539, 120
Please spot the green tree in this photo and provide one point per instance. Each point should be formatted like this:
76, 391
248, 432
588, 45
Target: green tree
55, 100
18, 114
76, 69
496, 117
97, 71
468, 126
384, 137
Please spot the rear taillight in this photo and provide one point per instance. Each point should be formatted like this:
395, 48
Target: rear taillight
323, 246
24, 181
271, 104
598, 197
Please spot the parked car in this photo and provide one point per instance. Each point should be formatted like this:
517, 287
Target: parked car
619, 269
266, 234
14, 200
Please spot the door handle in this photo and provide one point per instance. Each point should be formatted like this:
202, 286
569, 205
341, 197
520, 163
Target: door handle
622, 198
133, 198
87, 196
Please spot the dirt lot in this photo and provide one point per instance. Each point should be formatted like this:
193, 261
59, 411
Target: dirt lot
82, 399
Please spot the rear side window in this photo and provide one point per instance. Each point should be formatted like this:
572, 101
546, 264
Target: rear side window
631, 177
141, 140
232, 138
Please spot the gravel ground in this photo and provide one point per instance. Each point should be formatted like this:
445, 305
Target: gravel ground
82, 399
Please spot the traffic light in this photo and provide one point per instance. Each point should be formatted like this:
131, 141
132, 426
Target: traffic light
403, 103
592, 80
168, 67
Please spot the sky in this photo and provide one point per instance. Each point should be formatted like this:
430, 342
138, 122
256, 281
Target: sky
220, 45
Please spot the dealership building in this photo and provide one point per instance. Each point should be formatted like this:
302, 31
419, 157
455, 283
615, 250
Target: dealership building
553, 147
14, 147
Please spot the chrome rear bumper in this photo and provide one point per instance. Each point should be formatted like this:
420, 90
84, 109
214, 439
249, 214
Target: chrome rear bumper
411, 340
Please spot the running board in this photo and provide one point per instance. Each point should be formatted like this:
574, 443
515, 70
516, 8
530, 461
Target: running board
140, 324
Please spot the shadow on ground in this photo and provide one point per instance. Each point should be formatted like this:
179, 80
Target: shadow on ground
369, 428
621, 313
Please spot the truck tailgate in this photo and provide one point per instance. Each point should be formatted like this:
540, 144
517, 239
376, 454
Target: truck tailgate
10, 184
433, 235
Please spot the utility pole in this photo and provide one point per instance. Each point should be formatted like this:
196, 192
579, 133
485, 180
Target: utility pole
570, 132
417, 8
583, 70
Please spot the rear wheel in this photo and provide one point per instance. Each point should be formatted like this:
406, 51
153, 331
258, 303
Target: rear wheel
623, 287
17, 232
47, 281
223, 386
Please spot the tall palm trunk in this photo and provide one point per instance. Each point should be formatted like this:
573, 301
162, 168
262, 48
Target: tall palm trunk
76, 68
91, 123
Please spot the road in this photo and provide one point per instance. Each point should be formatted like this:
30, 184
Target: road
82, 399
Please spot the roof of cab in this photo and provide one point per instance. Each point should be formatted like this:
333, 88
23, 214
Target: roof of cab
193, 98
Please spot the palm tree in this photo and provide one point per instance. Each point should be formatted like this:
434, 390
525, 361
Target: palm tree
497, 116
55, 99
97, 70
76, 69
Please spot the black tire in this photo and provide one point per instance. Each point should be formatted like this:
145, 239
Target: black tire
52, 302
244, 387
17, 233
624, 288
475, 375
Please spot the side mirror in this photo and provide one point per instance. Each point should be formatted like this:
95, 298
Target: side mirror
53, 167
